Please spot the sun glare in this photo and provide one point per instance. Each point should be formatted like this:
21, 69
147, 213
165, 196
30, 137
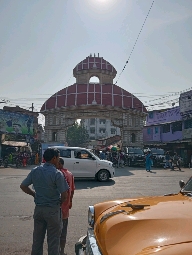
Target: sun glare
102, 5
102, 1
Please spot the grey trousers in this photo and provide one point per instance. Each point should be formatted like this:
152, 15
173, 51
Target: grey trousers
50, 219
64, 233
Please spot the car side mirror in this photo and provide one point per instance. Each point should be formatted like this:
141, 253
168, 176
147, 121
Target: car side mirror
181, 184
93, 158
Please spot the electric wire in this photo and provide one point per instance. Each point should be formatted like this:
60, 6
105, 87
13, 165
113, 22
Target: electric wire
135, 42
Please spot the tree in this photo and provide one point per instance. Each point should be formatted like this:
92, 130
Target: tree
77, 135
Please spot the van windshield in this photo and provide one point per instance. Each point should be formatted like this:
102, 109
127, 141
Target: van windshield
157, 151
135, 151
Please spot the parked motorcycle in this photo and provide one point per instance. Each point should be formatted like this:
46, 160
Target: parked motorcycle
18, 162
4, 162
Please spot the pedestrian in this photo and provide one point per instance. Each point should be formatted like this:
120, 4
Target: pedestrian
176, 162
121, 158
167, 160
115, 160
67, 204
24, 158
10, 158
50, 191
102, 155
148, 161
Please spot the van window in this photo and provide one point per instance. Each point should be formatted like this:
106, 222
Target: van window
65, 153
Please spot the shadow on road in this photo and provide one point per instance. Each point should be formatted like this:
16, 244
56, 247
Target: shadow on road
90, 184
123, 171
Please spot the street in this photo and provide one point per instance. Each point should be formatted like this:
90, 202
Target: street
16, 210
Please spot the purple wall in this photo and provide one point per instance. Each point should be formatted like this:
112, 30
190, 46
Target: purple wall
151, 134
168, 137
156, 117
154, 134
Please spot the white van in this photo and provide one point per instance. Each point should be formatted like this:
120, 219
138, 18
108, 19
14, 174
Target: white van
83, 163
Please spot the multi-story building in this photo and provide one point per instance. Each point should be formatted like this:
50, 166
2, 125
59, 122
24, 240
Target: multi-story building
163, 126
185, 103
100, 128
171, 128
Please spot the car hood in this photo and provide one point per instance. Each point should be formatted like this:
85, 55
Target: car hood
105, 161
162, 227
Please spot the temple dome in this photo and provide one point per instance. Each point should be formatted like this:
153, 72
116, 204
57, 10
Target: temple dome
97, 94
83, 92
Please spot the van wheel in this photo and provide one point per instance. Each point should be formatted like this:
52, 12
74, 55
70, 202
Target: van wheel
103, 176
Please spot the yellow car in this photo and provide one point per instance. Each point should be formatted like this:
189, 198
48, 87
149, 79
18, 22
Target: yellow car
159, 225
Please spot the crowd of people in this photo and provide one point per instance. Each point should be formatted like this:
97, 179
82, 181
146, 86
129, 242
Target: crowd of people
171, 162
115, 155
22, 158
118, 157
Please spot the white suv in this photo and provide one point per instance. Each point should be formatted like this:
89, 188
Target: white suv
83, 163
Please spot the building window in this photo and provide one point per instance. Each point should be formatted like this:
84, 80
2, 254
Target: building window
177, 126
148, 131
92, 137
102, 121
92, 130
166, 128
133, 121
156, 130
54, 120
102, 130
133, 138
113, 131
150, 115
54, 136
92, 122
188, 124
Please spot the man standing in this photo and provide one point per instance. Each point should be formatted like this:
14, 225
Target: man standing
176, 161
167, 158
148, 161
50, 191
67, 204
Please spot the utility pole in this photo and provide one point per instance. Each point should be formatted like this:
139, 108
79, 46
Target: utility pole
32, 107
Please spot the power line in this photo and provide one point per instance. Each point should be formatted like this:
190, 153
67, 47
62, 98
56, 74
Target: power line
135, 42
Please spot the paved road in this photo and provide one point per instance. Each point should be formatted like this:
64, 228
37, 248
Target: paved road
16, 208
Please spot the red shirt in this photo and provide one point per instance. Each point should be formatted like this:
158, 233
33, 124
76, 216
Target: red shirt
70, 180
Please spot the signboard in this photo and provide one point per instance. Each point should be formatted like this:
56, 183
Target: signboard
16, 123
160, 117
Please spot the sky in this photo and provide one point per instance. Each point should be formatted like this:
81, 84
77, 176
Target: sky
42, 41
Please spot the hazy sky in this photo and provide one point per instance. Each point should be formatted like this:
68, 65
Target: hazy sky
41, 42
